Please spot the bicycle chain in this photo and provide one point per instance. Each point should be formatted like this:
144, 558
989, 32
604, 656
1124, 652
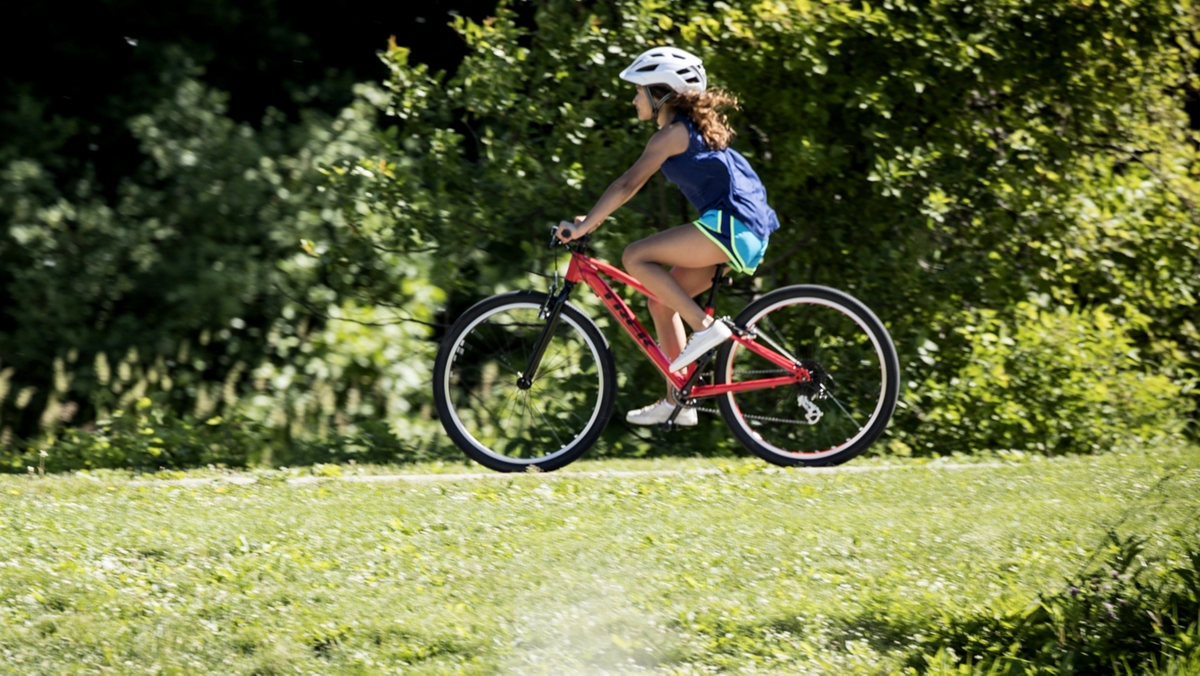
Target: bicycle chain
764, 418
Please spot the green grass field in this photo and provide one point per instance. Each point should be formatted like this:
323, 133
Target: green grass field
745, 569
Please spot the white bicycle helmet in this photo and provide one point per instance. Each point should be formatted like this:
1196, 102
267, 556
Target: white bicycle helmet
670, 66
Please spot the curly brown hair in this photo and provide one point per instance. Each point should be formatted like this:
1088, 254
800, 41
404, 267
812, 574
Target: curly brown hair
706, 110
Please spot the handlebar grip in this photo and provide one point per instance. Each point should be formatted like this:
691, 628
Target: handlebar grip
567, 233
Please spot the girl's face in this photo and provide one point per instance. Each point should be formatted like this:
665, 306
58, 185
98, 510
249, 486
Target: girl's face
642, 102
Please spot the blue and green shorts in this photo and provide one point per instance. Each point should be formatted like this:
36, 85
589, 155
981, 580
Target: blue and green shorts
744, 248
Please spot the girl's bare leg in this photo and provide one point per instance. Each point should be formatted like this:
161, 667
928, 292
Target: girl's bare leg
694, 256
667, 324
684, 246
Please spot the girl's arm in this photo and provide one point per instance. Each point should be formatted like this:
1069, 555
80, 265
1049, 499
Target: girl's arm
666, 142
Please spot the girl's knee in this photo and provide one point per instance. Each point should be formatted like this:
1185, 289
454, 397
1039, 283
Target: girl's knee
632, 255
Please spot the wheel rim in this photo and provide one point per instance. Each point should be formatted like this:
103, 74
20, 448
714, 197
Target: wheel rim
825, 336
516, 425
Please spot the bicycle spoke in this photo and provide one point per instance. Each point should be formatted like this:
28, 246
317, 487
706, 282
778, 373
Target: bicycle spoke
509, 408
494, 345
847, 413
790, 354
553, 366
497, 420
550, 427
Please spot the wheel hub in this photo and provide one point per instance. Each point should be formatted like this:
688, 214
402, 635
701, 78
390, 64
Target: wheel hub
819, 380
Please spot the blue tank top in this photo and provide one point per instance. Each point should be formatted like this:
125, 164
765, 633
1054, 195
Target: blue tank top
720, 179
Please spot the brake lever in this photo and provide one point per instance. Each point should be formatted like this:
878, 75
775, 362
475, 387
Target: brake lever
554, 240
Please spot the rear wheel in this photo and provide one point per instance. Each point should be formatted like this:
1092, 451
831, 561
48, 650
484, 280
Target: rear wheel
502, 425
852, 395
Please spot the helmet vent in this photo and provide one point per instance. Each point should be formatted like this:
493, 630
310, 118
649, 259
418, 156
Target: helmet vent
647, 69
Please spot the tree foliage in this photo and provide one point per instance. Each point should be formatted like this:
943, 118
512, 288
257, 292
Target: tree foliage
198, 288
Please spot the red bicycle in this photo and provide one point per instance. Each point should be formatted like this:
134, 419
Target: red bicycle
525, 379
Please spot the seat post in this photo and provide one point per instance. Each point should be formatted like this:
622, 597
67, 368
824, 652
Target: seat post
711, 304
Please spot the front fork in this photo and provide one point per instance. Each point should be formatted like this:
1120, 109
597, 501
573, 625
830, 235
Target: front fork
551, 312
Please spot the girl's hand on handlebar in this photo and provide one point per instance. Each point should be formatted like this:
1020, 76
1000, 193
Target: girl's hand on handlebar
570, 230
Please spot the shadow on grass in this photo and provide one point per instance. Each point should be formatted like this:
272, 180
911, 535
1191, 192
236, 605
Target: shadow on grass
1127, 613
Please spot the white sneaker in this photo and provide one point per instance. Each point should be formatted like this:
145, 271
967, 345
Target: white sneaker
701, 342
658, 412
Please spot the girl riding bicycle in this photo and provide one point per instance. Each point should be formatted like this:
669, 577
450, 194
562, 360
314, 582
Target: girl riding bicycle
692, 149
804, 375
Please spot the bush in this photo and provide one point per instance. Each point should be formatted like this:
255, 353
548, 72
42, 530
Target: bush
148, 436
151, 436
371, 441
1042, 381
1125, 614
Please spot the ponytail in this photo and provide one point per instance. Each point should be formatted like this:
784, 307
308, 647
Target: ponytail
706, 110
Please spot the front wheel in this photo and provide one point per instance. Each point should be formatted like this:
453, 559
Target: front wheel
510, 428
854, 386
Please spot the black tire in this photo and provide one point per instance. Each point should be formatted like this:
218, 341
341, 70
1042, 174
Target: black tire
510, 429
857, 378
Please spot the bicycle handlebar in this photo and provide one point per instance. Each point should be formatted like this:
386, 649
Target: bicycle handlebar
555, 241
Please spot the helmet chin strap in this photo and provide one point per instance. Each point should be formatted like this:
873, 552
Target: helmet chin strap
655, 105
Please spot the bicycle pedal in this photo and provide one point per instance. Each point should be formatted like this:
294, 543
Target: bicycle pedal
668, 426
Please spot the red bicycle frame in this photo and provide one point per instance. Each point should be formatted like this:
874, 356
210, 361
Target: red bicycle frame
589, 271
